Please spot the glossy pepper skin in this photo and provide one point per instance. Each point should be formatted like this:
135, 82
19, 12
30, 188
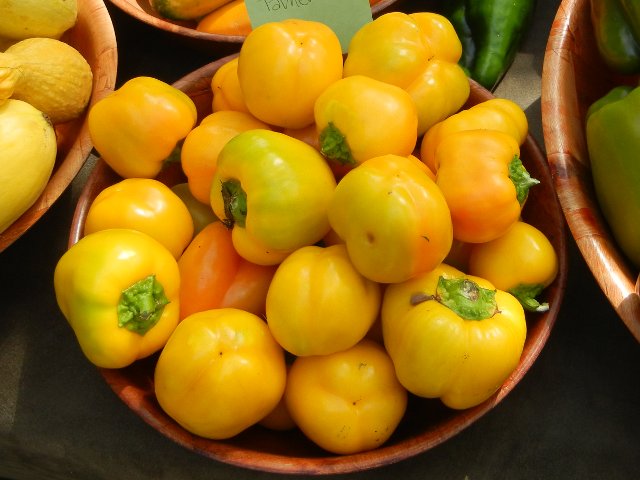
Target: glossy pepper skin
452, 336
392, 217
616, 27
146, 205
491, 32
417, 52
359, 117
613, 140
220, 372
329, 314
494, 114
273, 191
284, 66
348, 401
119, 291
483, 181
138, 126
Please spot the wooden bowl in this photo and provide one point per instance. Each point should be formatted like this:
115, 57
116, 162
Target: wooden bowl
574, 77
427, 422
186, 30
93, 36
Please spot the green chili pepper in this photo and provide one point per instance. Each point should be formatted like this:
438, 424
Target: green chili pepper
616, 28
491, 32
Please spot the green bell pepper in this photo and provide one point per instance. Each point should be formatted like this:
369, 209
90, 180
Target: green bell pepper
491, 32
613, 142
616, 28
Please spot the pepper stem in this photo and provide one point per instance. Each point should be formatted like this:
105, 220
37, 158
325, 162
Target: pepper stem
334, 146
141, 305
235, 203
526, 295
521, 179
464, 297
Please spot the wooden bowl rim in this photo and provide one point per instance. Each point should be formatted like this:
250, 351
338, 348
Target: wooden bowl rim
138, 398
97, 21
182, 29
559, 101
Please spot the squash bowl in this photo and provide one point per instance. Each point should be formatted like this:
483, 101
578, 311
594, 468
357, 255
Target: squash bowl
186, 31
427, 422
94, 37
574, 76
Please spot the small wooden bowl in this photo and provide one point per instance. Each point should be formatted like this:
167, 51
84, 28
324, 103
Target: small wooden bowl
186, 30
427, 422
94, 37
573, 77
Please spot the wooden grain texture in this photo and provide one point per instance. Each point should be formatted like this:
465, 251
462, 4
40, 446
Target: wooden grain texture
93, 36
574, 77
186, 30
427, 422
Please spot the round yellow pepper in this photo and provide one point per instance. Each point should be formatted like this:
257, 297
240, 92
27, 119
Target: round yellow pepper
137, 127
332, 312
146, 205
522, 262
273, 191
220, 372
359, 118
392, 217
119, 289
452, 336
346, 402
284, 66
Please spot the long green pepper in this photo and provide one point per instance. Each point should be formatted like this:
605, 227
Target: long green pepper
491, 32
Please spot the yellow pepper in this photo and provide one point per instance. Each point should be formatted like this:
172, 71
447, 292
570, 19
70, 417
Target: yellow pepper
348, 401
146, 205
452, 336
329, 314
119, 290
522, 262
137, 127
418, 52
273, 191
392, 217
483, 181
494, 114
284, 66
225, 87
359, 118
220, 372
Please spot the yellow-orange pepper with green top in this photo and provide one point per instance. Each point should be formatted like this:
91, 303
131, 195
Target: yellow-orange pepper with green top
452, 336
417, 52
483, 181
494, 114
359, 118
137, 127
119, 290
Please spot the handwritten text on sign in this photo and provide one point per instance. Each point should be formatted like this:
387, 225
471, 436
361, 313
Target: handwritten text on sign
344, 17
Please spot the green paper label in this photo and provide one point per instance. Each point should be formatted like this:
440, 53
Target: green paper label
344, 17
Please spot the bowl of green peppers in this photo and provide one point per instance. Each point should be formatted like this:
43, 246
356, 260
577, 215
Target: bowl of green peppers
591, 124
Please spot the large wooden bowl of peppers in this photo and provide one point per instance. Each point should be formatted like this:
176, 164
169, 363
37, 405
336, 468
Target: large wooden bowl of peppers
427, 422
575, 75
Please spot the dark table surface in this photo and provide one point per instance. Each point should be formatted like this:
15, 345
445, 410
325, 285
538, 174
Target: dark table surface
575, 415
